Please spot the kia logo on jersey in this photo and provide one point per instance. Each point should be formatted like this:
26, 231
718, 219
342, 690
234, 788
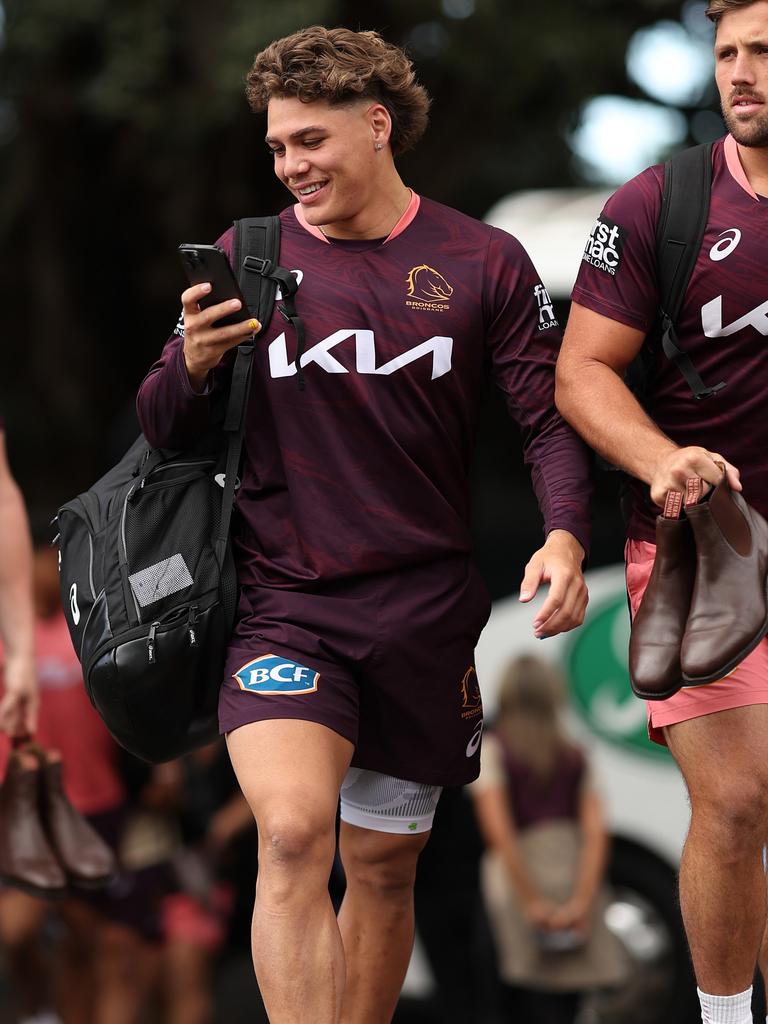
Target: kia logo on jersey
712, 319
728, 240
439, 348
271, 675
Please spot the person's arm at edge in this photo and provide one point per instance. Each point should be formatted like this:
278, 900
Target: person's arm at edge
18, 707
523, 362
173, 403
592, 396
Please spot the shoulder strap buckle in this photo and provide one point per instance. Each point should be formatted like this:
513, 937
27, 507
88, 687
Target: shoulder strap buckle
258, 265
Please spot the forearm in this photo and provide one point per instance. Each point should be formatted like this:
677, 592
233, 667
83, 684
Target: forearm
171, 411
500, 835
592, 864
16, 607
523, 884
597, 403
594, 849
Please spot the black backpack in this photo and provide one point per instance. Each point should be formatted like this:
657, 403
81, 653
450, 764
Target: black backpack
148, 579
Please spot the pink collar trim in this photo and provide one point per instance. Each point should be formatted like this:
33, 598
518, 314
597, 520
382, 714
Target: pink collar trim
733, 162
410, 212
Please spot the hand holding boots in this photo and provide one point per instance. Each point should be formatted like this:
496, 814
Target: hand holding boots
45, 843
705, 608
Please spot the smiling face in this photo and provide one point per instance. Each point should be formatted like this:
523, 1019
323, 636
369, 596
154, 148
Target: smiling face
741, 71
327, 157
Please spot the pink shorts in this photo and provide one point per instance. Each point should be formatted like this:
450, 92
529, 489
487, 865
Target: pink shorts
746, 684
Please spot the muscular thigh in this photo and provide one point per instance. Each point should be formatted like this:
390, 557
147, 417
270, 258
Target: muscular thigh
290, 766
727, 750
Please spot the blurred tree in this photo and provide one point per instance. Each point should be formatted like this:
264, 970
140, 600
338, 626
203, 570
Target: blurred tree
124, 131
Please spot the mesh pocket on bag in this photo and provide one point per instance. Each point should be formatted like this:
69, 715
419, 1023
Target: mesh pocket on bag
160, 580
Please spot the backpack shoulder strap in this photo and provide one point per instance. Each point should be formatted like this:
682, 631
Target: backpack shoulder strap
256, 258
255, 252
679, 234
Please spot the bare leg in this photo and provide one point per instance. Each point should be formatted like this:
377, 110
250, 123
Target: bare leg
290, 772
126, 969
377, 919
187, 970
73, 964
21, 918
724, 759
762, 963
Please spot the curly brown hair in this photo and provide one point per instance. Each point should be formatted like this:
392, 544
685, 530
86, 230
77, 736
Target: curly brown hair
341, 66
717, 8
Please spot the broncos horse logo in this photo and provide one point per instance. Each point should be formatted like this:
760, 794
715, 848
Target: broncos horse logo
425, 284
469, 691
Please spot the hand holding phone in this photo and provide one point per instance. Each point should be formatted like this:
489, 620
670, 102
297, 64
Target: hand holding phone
209, 264
213, 309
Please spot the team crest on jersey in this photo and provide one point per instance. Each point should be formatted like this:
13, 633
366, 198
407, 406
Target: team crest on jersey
547, 316
427, 289
271, 675
469, 690
605, 245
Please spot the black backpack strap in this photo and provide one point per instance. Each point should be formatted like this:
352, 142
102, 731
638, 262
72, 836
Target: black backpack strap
256, 254
679, 234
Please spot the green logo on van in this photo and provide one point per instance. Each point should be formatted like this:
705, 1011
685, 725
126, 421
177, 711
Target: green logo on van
596, 666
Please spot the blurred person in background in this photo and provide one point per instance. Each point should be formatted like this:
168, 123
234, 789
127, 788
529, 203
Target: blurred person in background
18, 704
96, 964
352, 539
543, 874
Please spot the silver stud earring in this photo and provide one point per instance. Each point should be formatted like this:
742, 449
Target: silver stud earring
378, 146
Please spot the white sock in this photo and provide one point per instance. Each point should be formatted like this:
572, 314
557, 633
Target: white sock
726, 1009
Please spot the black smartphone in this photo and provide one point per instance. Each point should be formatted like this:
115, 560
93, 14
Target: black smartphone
209, 263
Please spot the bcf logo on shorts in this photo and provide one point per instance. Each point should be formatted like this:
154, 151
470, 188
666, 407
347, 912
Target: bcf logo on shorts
271, 675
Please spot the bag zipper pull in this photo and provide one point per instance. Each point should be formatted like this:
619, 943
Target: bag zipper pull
192, 619
151, 642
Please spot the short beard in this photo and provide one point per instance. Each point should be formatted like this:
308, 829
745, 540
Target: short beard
754, 134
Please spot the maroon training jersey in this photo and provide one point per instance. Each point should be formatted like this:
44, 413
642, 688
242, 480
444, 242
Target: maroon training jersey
366, 470
723, 324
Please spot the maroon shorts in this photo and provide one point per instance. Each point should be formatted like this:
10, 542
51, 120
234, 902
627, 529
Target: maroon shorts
386, 661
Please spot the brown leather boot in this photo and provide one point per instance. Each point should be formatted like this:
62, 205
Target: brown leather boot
26, 859
658, 626
86, 858
729, 609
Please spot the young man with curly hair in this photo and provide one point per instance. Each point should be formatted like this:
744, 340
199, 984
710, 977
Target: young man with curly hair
717, 733
351, 667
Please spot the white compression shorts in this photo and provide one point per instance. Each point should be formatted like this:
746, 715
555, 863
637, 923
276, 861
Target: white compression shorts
386, 804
